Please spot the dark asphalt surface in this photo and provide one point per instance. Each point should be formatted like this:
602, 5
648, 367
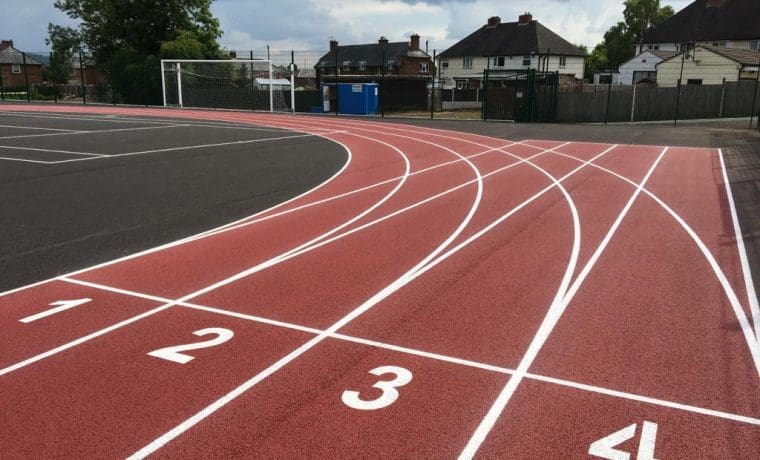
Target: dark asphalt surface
58, 218
61, 217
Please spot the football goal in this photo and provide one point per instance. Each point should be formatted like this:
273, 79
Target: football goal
243, 84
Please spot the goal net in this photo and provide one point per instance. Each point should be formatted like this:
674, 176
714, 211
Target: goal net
243, 84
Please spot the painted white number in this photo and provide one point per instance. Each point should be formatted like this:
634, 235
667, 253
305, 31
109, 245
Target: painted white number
390, 393
606, 447
175, 354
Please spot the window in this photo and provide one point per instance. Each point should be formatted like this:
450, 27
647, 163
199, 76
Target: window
498, 61
467, 63
362, 65
656, 47
755, 45
685, 47
605, 79
15, 68
562, 61
445, 63
346, 65
423, 67
643, 61
526, 61
694, 81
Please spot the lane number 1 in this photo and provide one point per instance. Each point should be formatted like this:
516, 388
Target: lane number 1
389, 388
175, 354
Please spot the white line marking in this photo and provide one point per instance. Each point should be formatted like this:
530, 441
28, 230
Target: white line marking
429, 355
74, 133
37, 128
551, 319
25, 160
61, 305
748, 282
749, 336
11, 147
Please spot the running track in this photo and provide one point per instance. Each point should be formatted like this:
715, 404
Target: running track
444, 294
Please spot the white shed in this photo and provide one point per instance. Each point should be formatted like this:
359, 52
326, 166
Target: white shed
643, 66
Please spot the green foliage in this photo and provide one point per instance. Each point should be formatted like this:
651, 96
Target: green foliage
65, 42
129, 38
619, 44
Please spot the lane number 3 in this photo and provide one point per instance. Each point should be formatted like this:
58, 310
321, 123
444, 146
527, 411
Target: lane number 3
175, 354
389, 388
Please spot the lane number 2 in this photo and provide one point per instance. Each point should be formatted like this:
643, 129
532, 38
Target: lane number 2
389, 388
175, 354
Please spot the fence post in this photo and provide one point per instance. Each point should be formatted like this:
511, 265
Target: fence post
633, 102
336, 82
722, 97
26, 78
680, 80
292, 82
432, 90
754, 100
81, 77
2, 86
609, 96
253, 84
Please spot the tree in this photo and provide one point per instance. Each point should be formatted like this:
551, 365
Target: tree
129, 38
619, 44
65, 43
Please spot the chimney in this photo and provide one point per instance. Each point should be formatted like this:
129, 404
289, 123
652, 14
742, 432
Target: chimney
333, 44
524, 19
6, 44
415, 42
383, 41
493, 21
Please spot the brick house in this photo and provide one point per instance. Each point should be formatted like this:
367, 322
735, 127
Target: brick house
14, 73
402, 70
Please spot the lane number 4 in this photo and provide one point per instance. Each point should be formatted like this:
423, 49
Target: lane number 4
388, 387
606, 447
175, 353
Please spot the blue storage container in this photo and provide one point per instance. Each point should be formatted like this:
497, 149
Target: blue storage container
358, 98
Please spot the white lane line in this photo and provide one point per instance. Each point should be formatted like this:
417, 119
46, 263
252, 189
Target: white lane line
61, 305
25, 160
195, 147
188, 239
547, 326
37, 129
74, 133
33, 149
138, 120
431, 355
746, 270
749, 336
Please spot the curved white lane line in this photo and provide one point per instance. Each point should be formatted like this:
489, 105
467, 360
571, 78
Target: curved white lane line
547, 326
733, 299
749, 284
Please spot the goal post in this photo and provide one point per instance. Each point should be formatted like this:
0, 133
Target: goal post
244, 84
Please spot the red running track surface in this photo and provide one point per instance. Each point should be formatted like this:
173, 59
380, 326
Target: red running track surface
444, 294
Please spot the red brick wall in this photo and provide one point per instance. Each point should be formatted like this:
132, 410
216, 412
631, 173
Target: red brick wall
11, 79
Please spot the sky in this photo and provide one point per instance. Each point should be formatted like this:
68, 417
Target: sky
309, 24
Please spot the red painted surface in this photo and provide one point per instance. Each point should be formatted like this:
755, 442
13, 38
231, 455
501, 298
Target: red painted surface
651, 319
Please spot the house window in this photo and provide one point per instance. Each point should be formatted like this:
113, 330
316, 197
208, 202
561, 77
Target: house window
362, 65
423, 67
346, 65
755, 45
562, 61
694, 81
718, 43
685, 47
498, 61
643, 61
15, 68
656, 47
445, 63
526, 61
467, 63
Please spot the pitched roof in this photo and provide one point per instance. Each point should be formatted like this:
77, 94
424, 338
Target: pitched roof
745, 57
372, 53
706, 20
512, 39
13, 56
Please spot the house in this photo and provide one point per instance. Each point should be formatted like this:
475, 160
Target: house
86, 68
507, 49
709, 65
366, 62
401, 68
306, 78
643, 67
724, 23
13, 71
